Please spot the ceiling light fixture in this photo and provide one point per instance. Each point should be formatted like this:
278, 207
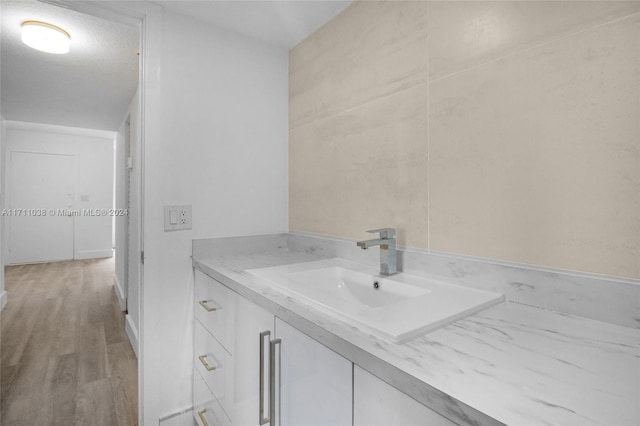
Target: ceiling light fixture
45, 37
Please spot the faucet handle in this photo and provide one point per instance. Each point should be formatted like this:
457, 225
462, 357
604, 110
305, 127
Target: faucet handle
384, 232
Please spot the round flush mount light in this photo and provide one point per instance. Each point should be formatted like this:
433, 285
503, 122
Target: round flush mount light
45, 37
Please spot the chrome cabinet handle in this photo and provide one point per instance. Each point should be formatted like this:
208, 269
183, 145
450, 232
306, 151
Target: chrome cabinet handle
202, 418
262, 419
207, 366
204, 304
273, 396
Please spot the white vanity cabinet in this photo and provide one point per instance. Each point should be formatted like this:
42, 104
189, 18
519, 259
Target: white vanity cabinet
312, 384
316, 383
212, 357
248, 363
375, 403
226, 370
233, 336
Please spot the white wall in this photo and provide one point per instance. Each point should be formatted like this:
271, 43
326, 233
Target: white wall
93, 150
216, 137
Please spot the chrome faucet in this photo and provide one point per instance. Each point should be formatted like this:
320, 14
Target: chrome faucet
387, 243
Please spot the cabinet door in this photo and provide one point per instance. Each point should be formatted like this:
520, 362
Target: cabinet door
250, 321
316, 383
375, 403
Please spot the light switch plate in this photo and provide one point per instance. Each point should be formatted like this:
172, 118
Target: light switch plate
177, 217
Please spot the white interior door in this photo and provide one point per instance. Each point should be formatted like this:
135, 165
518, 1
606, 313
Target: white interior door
41, 185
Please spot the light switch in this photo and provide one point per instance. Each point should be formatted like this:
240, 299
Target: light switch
177, 217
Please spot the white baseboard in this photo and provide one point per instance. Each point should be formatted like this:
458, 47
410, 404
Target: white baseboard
3, 300
132, 332
122, 300
93, 254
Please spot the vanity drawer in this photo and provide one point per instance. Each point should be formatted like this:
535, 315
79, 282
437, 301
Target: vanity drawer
206, 410
214, 308
215, 366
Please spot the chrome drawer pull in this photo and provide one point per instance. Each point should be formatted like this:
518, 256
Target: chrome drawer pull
274, 389
207, 366
204, 304
262, 419
202, 418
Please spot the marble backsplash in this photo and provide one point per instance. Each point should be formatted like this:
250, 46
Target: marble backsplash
603, 298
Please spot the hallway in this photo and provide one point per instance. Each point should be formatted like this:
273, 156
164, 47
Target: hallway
65, 356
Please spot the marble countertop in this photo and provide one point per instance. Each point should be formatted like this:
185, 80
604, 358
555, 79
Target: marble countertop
510, 364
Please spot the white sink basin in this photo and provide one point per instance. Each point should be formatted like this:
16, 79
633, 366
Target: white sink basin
337, 287
398, 308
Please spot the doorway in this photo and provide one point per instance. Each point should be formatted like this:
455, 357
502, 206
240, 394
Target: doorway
96, 285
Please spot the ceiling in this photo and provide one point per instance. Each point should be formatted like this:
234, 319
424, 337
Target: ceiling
92, 86
281, 23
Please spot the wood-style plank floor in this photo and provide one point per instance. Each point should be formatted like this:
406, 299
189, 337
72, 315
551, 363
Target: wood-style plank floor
65, 356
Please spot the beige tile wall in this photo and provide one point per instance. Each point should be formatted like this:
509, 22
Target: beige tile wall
358, 123
506, 130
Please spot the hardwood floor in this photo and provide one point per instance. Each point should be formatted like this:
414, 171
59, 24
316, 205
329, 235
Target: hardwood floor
65, 357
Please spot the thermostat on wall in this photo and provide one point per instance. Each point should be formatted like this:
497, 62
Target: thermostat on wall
177, 217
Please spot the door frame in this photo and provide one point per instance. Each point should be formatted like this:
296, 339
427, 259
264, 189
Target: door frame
127, 205
148, 17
